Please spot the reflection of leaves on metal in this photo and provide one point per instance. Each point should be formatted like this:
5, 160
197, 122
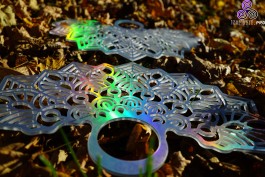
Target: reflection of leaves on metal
102, 94
132, 44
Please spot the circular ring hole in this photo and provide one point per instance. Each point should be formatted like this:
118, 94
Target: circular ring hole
128, 140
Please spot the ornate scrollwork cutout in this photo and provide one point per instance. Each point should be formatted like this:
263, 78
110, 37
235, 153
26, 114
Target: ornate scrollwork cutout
132, 44
102, 94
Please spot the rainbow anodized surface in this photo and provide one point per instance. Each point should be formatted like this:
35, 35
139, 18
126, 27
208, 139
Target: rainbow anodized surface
133, 44
98, 95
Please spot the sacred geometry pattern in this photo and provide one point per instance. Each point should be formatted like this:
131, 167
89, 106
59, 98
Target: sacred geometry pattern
102, 94
247, 11
132, 44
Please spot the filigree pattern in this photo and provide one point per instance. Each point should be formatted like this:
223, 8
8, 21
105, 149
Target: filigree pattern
102, 94
132, 44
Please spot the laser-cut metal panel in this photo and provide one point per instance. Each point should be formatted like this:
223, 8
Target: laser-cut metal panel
102, 94
13, 82
62, 28
132, 44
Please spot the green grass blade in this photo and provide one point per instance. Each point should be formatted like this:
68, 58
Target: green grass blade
99, 166
149, 160
71, 151
48, 164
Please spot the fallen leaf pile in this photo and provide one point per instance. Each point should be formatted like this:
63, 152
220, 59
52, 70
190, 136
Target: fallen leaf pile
229, 56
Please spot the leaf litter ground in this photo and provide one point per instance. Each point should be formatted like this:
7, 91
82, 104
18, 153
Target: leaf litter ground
229, 56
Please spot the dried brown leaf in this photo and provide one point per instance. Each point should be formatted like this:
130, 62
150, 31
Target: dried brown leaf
24, 70
232, 90
2, 40
135, 136
179, 162
53, 12
7, 16
9, 166
11, 150
24, 33
33, 4
261, 89
175, 167
8, 71
202, 32
156, 8
231, 167
222, 44
239, 43
52, 63
21, 10
62, 156
213, 73
106, 174
45, 171
33, 143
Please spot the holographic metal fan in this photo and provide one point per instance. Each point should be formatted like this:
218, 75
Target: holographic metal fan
132, 44
102, 94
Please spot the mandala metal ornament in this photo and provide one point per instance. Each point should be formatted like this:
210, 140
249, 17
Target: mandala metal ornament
131, 43
102, 94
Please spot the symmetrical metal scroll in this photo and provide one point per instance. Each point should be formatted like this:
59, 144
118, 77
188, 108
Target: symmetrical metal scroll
102, 94
132, 44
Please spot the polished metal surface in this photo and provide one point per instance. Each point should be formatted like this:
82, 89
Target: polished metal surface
98, 95
132, 43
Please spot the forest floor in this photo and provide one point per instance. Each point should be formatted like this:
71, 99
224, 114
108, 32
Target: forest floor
229, 56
